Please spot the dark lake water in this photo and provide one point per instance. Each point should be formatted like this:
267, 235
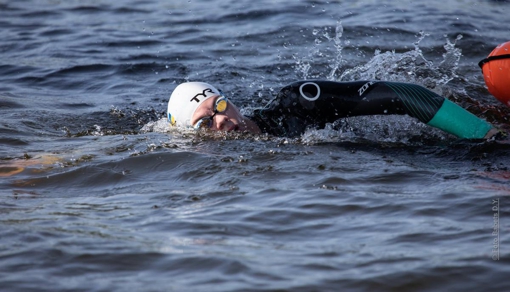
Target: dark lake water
98, 194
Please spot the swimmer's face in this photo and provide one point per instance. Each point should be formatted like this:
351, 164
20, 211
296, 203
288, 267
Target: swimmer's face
229, 120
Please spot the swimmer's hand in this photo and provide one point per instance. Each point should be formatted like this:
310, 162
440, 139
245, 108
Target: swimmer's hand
496, 134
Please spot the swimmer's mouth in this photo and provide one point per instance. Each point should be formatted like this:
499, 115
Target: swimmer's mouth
233, 128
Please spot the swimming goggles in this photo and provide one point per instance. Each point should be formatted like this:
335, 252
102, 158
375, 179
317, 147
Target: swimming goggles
207, 122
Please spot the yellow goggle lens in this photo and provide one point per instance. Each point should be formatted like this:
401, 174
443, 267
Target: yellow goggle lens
221, 105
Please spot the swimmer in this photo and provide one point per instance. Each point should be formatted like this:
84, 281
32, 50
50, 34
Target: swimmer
313, 104
307, 104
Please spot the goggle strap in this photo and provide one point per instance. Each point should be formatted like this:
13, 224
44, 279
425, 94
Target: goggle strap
492, 58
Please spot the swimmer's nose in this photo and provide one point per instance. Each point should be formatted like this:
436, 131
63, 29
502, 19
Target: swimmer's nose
220, 121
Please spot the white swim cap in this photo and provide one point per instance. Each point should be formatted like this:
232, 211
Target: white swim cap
185, 100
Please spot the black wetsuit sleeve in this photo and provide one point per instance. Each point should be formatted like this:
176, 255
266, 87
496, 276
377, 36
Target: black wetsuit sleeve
307, 104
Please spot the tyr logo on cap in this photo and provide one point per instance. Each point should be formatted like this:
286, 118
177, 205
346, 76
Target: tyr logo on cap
195, 98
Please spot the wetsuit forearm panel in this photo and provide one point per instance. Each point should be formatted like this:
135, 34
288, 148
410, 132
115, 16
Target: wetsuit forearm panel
459, 122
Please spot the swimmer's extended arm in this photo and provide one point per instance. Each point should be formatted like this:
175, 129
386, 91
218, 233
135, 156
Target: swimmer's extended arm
455, 120
314, 103
436, 111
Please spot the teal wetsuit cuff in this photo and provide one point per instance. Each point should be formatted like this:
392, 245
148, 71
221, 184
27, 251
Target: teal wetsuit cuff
459, 122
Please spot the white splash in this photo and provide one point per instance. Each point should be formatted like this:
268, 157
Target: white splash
411, 66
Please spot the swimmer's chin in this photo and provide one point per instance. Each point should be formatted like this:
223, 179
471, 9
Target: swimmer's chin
243, 126
232, 128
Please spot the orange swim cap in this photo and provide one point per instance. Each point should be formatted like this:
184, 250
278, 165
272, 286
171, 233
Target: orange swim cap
496, 72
